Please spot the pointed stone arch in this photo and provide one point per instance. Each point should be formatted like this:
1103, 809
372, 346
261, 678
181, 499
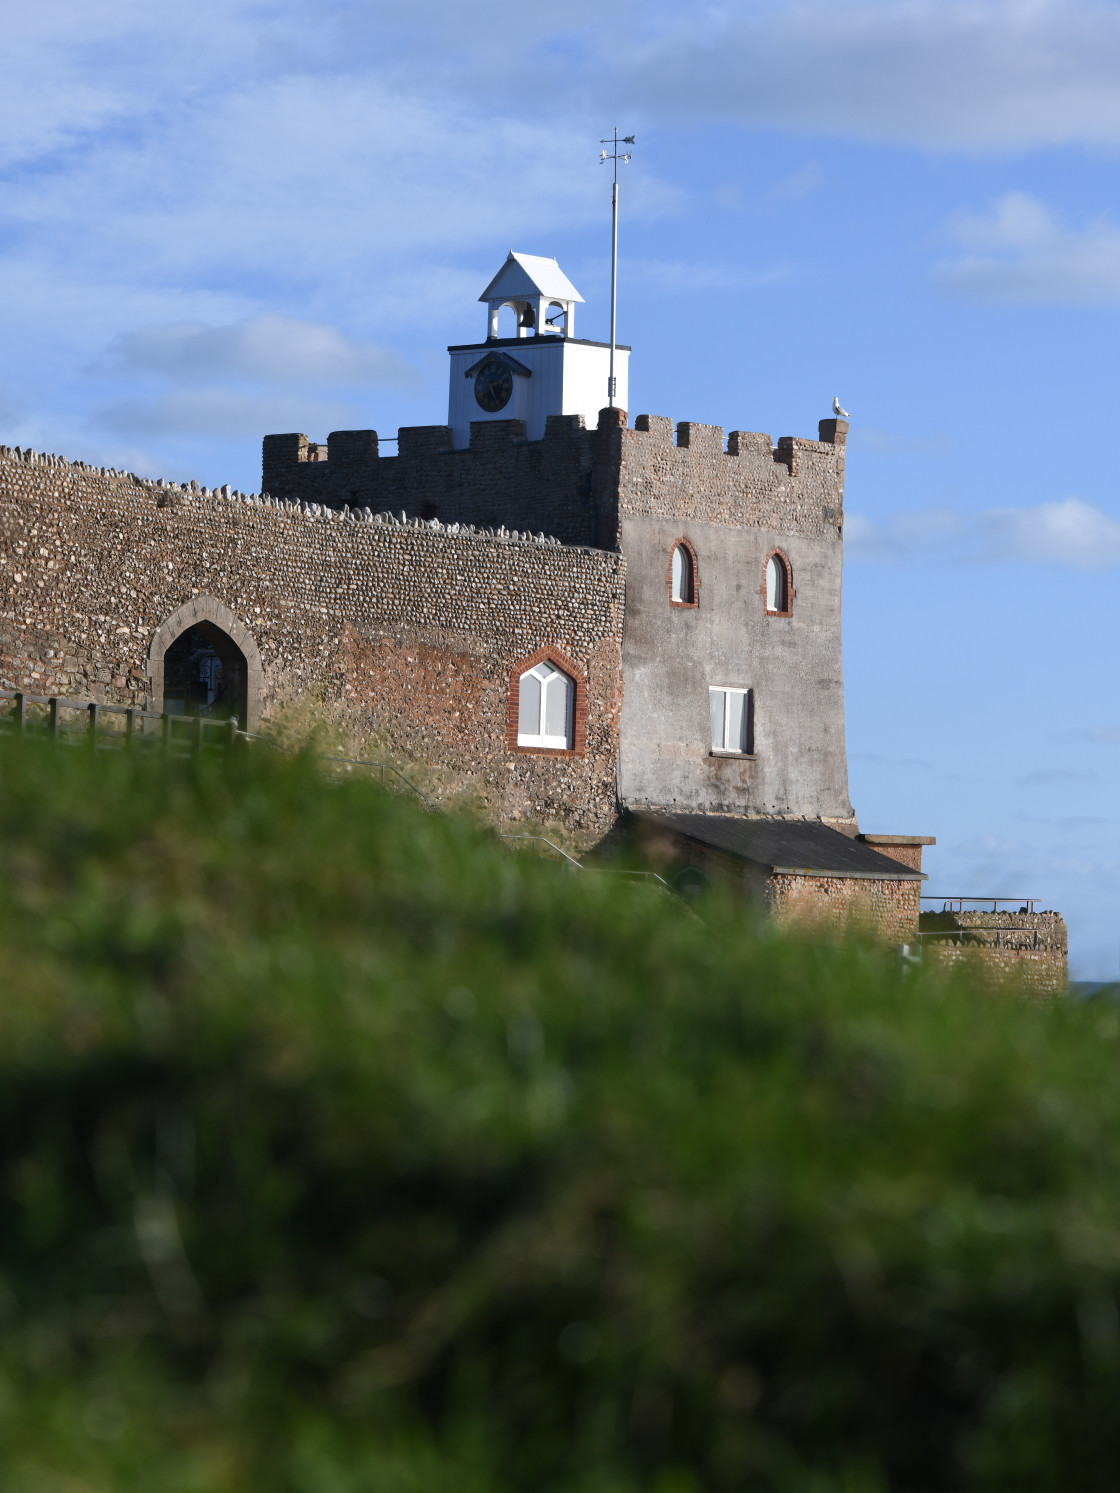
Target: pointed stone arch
209, 613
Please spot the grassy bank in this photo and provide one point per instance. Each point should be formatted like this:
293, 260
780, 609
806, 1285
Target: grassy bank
342, 1150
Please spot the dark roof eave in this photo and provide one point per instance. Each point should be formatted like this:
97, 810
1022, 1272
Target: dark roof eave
841, 856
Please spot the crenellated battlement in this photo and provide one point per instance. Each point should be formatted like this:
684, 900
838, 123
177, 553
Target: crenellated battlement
690, 473
575, 484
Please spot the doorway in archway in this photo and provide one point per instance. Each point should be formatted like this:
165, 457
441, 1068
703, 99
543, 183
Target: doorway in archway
205, 673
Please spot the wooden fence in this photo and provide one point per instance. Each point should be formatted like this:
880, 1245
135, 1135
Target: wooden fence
118, 726
111, 725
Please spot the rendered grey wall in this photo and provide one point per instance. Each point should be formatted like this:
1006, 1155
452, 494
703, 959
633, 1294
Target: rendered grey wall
672, 654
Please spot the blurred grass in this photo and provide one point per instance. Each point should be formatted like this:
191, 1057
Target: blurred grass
340, 1149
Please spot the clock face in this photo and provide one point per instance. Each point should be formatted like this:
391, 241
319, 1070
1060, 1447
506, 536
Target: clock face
493, 386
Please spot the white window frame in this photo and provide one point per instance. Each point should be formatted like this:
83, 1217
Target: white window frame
683, 572
785, 583
549, 675
727, 690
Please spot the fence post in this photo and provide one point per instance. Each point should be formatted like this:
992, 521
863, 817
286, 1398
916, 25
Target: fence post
231, 731
165, 729
21, 711
92, 708
54, 715
196, 744
130, 725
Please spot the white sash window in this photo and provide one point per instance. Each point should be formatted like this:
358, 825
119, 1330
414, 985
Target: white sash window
732, 719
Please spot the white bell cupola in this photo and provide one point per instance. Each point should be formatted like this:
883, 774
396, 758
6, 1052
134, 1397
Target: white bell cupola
538, 292
538, 367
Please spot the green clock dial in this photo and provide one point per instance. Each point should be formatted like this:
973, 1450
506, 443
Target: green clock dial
493, 386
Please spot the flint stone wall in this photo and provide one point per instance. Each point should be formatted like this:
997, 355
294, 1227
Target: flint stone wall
642, 490
500, 479
1031, 947
888, 910
409, 632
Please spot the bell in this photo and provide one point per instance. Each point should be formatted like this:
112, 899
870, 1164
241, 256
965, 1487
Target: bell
527, 319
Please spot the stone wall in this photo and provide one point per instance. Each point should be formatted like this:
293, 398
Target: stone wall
907, 851
500, 479
407, 632
575, 484
795, 487
641, 490
1030, 947
887, 910
733, 508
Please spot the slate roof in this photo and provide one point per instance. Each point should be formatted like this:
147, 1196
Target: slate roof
525, 275
800, 846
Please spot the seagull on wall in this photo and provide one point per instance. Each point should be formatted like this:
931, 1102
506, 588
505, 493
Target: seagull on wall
838, 408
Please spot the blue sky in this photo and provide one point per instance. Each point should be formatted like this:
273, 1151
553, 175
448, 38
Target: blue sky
232, 218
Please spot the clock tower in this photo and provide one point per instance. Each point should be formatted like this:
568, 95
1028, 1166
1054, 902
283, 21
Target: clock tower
540, 368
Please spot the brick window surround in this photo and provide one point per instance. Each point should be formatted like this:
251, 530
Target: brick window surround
548, 653
783, 560
683, 544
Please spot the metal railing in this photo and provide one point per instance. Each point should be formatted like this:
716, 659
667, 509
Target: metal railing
550, 845
541, 840
956, 904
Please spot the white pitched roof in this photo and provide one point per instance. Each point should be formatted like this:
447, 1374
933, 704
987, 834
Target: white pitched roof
525, 275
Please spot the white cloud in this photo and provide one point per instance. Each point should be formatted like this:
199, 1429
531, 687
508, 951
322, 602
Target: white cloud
191, 169
220, 413
273, 350
1020, 252
1067, 532
679, 277
969, 75
803, 183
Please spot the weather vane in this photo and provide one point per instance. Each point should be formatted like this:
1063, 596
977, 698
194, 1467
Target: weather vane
614, 155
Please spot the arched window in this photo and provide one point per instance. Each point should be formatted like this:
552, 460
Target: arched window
779, 590
505, 323
683, 580
545, 703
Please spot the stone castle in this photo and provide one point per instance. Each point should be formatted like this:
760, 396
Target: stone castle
633, 629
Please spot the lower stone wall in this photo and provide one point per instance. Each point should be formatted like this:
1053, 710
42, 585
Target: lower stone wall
885, 909
1030, 947
407, 633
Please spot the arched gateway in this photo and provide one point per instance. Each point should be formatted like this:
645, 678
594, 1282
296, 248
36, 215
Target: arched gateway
204, 661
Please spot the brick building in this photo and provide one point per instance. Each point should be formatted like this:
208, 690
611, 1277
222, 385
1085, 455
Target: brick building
562, 614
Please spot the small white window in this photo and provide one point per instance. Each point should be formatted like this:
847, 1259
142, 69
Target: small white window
544, 708
683, 588
777, 584
732, 719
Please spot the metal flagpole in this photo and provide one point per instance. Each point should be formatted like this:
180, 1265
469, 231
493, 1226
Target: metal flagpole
614, 156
